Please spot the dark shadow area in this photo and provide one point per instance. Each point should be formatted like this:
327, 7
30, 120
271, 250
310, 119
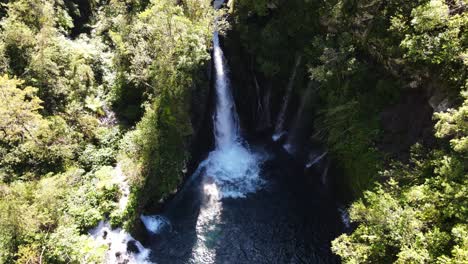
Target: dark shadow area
81, 12
174, 245
284, 222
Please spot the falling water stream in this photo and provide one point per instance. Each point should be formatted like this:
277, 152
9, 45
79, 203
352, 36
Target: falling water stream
279, 127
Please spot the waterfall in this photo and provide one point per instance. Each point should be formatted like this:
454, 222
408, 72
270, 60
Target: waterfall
345, 217
262, 112
226, 125
314, 159
298, 131
231, 166
231, 169
325, 173
282, 114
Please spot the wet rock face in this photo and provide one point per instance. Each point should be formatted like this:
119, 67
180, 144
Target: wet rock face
132, 247
258, 97
406, 123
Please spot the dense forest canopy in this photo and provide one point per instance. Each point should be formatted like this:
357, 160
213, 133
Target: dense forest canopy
89, 87
76, 76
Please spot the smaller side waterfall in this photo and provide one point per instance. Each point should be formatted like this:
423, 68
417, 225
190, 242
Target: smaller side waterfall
314, 158
325, 173
344, 217
262, 113
282, 114
298, 130
122, 247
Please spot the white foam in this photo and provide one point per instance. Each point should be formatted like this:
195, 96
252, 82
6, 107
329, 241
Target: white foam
277, 136
154, 223
235, 171
232, 167
121, 180
289, 148
118, 240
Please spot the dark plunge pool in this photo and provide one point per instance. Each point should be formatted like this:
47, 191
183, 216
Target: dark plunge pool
283, 221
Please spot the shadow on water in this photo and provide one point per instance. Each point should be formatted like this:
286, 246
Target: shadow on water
284, 222
174, 244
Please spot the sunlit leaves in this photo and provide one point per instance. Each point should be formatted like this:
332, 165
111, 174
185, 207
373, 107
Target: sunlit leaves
19, 110
454, 124
430, 16
435, 36
164, 44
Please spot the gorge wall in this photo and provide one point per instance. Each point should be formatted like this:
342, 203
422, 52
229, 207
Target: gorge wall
366, 115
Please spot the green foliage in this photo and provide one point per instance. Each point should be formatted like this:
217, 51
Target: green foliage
34, 46
412, 216
453, 124
268, 27
159, 146
47, 219
28, 139
412, 220
156, 49
160, 52
417, 216
20, 110
436, 35
56, 136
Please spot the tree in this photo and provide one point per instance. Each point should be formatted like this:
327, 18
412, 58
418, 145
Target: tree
20, 110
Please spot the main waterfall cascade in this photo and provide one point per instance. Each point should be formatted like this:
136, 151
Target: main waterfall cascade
231, 165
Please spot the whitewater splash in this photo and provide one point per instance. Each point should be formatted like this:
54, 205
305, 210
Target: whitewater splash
234, 170
155, 223
122, 247
231, 166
